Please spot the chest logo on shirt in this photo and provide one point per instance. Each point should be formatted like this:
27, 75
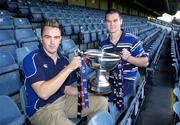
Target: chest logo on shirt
45, 66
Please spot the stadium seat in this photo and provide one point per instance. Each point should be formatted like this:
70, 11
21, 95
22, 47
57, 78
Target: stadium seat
36, 14
22, 52
10, 113
9, 74
68, 46
101, 118
176, 92
7, 41
12, 5
7, 37
6, 23
178, 123
176, 108
25, 35
23, 9
22, 23
67, 27
4, 13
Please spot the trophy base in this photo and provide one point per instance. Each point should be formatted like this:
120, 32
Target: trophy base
100, 90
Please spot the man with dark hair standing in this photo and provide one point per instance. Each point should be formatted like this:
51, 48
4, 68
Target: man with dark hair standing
132, 57
51, 100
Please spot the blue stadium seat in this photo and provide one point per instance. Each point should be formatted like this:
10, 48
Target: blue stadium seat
7, 41
22, 52
66, 23
68, 46
178, 123
9, 74
22, 23
101, 118
6, 60
25, 35
6, 23
11, 49
34, 43
176, 92
176, 108
84, 34
7, 37
102, 37
23, 9
5, 13
75, 26
36, 14
10, 113
48, 15
12, 5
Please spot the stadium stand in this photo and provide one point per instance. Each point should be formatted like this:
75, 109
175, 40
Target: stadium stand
20, 24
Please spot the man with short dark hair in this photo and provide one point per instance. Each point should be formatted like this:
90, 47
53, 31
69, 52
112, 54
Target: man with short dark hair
132, 57
51, 100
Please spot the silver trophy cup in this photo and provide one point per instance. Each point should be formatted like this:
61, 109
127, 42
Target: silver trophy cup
102, 62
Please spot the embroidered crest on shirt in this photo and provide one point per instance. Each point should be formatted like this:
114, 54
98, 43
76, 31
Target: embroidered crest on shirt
45, 66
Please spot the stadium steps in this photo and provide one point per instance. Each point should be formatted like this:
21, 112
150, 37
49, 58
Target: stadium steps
157, 108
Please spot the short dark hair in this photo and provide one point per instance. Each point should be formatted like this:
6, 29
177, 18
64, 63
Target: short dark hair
50, 23
112, 11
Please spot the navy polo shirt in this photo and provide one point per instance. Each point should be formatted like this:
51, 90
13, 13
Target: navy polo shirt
38, 66
132, 44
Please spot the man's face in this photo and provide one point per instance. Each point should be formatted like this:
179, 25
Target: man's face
51, 38
113, 22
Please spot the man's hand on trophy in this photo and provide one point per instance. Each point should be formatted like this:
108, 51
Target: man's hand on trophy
125, 54
75, 63
95, 65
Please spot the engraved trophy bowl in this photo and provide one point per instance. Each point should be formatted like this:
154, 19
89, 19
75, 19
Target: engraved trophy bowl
102, 62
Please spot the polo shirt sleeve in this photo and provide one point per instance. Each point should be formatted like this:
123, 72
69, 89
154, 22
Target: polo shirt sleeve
138, 50
32, 69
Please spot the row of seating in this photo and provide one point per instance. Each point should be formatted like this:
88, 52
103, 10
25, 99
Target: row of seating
154, 48
175, 58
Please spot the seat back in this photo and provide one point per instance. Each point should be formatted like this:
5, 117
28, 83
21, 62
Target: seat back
22, 52
176, 108
176, 92
101, 118
9, 74
68, 46
9, 112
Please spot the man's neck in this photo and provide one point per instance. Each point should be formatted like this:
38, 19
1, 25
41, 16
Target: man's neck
53, 56
114, 37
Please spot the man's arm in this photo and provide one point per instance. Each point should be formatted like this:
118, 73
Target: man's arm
44, 89
138, 61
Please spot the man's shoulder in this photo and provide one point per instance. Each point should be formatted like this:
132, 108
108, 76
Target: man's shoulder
31, 55
131, 36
